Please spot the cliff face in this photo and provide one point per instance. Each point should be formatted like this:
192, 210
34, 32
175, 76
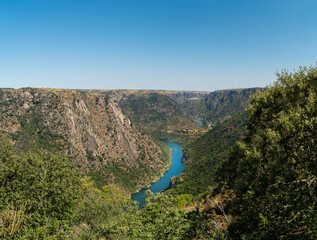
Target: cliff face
161, 113
155, 113
90, 129
220, 105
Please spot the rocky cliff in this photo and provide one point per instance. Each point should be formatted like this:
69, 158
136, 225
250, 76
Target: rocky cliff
90, 129
220, 105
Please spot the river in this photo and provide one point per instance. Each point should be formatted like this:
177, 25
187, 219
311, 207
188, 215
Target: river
161, 184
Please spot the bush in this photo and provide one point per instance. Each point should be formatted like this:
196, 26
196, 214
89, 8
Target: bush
43, 189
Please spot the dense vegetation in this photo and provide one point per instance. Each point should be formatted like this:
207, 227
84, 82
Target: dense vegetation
269, 179
273, 171
38, 193
43, 197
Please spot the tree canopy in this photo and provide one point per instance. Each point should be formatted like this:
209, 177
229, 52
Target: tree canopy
275, 166
38, 191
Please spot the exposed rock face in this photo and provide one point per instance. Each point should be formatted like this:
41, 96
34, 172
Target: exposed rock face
160, 113
223, 104
91, 129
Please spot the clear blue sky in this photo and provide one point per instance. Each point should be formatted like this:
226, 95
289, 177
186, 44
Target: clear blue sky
154, 44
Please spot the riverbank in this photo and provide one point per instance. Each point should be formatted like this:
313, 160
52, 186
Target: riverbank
175, 169
167, 153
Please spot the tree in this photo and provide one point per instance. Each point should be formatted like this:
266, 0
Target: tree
43, 188
276, 164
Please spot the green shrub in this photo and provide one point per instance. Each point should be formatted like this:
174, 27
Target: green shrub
44, 188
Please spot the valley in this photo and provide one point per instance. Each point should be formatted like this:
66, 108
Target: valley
151, 164
112, 136
158, 120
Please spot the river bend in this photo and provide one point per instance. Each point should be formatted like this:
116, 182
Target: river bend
176, 168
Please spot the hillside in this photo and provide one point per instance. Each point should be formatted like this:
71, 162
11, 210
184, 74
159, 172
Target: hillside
160, 113
155, 114
220, 105
225, 112
166, 113
251, 176
90, 129
204, 156
105, 132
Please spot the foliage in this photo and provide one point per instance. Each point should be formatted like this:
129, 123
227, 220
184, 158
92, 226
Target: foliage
275, 167
38, 192
43, 197
183, 199
98, 209
160, 218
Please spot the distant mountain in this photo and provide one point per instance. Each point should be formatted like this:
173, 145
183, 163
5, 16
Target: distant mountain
211, 107
182, 97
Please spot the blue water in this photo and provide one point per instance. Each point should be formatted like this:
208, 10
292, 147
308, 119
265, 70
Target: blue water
200, 123
160, 185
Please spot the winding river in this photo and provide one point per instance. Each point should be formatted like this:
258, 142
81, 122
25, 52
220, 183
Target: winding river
161, 184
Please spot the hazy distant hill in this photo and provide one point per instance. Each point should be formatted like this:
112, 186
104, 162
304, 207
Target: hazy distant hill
182, 97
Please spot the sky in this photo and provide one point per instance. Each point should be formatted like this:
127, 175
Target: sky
154, 44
